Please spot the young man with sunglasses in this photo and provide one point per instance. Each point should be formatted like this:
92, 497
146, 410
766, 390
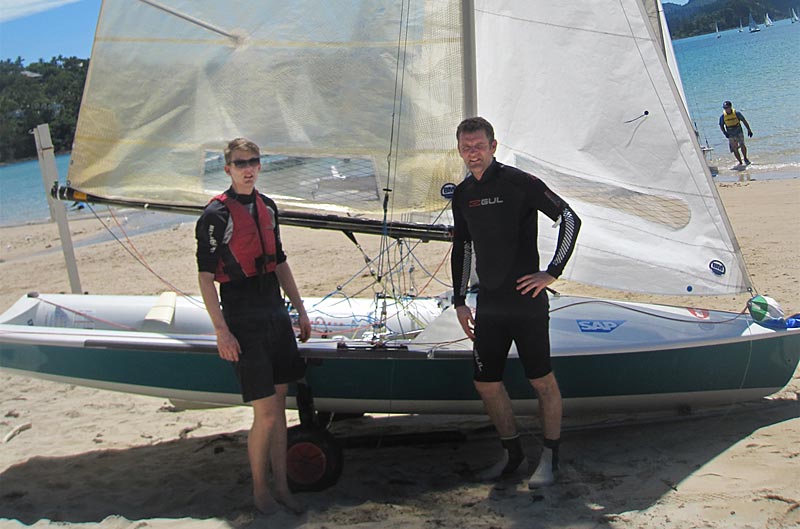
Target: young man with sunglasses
239, 246
495, 214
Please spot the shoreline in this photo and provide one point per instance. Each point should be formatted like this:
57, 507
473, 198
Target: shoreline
30, 158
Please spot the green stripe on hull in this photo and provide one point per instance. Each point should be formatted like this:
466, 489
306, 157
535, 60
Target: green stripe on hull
759, 363
767, 363
204, 372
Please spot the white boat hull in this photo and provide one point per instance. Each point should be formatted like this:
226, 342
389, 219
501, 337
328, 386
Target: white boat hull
607, 355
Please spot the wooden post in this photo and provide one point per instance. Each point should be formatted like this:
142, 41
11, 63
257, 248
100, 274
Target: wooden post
58, 213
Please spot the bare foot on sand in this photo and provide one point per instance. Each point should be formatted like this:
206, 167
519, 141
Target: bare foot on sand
265, 503
287, 500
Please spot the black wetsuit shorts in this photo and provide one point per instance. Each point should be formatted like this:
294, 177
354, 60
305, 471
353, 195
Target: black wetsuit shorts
258, 318
504, 317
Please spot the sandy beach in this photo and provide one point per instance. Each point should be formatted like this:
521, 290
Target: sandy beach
78, 457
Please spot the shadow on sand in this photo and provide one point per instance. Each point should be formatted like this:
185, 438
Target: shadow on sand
607, 468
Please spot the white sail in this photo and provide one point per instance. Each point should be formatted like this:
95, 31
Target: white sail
593, 110
658, 21
794, 16
353, 97
752, 24
767, 20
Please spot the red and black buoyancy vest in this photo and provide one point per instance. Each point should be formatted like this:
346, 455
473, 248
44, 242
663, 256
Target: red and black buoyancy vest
251, 250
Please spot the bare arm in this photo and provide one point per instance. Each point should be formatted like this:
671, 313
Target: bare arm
227, 344
746, 124
289, 287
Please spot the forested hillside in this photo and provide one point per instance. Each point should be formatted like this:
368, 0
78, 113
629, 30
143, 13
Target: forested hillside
42, 92
698, 17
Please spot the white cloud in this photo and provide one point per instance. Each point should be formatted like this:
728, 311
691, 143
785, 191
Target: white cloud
12, 9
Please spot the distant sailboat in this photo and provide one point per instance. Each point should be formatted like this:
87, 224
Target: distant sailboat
716, 28
767, 20
794, 16
753, 26
740, 26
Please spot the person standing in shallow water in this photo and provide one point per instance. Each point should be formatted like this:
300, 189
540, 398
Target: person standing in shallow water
239, 246
495, 213
730, 123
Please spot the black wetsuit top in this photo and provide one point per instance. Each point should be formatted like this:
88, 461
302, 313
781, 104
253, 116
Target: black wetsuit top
498, 214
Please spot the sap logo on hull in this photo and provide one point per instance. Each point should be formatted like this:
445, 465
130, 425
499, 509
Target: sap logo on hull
598, 325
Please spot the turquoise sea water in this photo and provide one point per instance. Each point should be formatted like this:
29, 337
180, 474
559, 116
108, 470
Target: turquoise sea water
759, 73
22, 191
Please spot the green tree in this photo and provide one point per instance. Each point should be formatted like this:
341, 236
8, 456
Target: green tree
44, 92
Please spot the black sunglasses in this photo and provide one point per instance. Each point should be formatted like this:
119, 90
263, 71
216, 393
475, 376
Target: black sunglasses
241, 164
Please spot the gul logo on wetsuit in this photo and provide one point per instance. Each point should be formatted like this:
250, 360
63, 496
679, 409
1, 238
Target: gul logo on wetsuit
485, 202
598, 325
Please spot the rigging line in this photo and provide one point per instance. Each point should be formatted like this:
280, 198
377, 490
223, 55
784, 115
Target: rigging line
399, 80
412, 255
136, 255
431, 277
192, 20
140, 258
643, 114
85, 315
402, 92
398, 268
391, 131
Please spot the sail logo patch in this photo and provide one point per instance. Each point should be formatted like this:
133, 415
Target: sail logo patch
598, 325
447, 190
718, 267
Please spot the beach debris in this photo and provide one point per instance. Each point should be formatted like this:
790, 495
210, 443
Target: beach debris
12, 413
186, 431
16, 431
793, 504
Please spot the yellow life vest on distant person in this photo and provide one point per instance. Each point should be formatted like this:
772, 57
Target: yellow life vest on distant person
731, 120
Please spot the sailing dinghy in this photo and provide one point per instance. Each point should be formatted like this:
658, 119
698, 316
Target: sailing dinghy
355, 104
752, 24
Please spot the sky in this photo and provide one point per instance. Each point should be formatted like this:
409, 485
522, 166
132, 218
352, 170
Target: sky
43, 29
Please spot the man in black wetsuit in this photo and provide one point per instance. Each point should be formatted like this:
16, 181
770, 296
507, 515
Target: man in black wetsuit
495, 213
239, 246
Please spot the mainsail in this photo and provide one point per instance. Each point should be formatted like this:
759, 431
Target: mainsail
350, 97
355, 104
